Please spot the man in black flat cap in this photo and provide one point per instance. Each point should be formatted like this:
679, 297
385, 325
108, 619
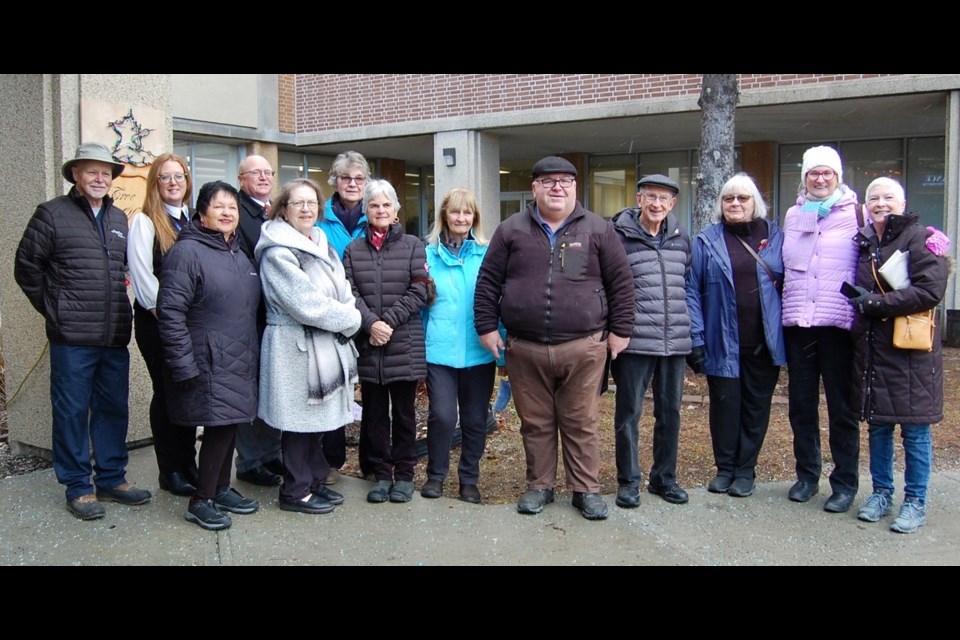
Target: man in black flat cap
71, 265
658, 251
558, 278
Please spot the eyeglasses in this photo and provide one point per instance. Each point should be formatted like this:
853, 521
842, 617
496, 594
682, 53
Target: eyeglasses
548, 183
741, 199
260, 173
313, 205
827, 174
165, 178
348, 179
653, 198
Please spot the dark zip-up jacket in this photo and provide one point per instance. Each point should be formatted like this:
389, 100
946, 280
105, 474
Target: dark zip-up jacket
389, 285
74, 277
552, 295
892, 385
207, 317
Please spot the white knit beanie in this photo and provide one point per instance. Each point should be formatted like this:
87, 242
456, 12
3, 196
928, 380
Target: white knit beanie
822, 157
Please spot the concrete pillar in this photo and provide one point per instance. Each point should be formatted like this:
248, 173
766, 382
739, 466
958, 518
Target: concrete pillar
476, 166
951, 179
40, 121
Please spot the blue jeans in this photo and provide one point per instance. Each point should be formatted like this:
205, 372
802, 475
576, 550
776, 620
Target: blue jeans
89, 391
633, 374
918, 455
256, 443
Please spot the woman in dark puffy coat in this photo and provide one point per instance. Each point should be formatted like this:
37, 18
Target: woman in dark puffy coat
207, 317
387, 270
893, 385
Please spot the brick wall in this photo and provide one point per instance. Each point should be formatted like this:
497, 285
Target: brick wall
327, 102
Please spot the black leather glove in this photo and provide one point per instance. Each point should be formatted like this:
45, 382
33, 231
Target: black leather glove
696, 359
344, 339
188, 384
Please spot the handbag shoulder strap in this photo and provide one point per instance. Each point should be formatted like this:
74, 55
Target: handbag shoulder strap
759, 260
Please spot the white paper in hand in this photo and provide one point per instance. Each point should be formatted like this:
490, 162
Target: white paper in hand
895, 270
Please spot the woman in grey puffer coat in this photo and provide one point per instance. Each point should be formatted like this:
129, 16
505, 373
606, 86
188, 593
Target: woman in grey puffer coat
308, 363
388, 272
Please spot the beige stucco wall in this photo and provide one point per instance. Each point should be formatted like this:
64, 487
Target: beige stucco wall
39, 130
231, 99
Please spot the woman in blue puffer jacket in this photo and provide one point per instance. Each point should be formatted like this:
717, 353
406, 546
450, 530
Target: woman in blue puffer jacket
460, 371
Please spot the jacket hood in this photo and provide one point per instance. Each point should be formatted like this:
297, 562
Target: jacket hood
278, 232
193, 232
625, 222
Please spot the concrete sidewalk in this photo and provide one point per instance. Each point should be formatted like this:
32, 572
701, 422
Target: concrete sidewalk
766, 529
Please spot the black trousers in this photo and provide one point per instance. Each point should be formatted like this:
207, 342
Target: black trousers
740, 414
216, 460
174, 445
814, 353
390, 446
305, 466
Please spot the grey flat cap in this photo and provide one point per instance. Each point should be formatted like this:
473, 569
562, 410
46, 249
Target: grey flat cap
658, 180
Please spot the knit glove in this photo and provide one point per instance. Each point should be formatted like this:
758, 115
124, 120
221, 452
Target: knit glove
696, 359
860, 299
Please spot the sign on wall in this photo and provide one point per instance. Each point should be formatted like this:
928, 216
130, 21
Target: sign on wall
135, 136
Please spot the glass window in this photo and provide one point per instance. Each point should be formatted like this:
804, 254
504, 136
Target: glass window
676, 165
865, 160
318, 170
418, 205
613, 181
925, 177
215, 162
291, 167
209, 162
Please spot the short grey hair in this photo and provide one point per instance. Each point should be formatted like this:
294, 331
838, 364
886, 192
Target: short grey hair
888, 182
376, 188
740, 183
343, 162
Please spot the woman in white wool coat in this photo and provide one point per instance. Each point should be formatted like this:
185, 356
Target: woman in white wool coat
308, 364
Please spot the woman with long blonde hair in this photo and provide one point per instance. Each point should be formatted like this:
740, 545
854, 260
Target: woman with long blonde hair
152, 232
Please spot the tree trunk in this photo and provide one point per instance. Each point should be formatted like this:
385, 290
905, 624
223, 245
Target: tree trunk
719, 95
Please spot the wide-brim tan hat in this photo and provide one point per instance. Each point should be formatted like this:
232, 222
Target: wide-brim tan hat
90, 151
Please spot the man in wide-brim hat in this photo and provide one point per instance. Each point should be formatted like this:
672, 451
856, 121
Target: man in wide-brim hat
71, 265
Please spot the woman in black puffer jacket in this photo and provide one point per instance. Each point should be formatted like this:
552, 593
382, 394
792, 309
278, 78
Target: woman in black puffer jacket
893, 385
387, 270
207, 317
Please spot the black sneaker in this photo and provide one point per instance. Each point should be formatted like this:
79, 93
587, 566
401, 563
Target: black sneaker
205, 514
89, 510
230, 500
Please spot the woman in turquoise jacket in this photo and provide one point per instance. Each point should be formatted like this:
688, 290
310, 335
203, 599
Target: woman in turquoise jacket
733, 295
460, 371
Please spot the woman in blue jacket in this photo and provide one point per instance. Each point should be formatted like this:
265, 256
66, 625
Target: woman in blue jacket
460, 371
733, 294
